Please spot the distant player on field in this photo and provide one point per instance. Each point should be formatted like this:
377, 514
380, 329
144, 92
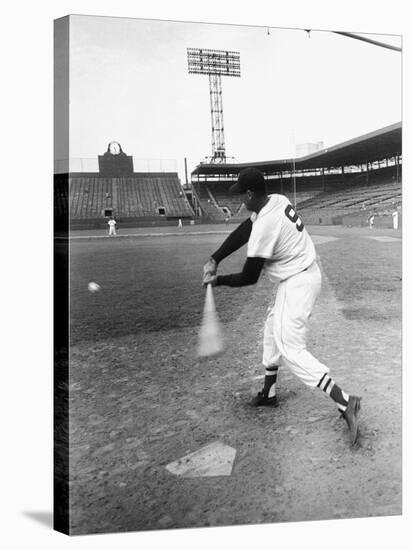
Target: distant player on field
279, 244
395, 219
112, 227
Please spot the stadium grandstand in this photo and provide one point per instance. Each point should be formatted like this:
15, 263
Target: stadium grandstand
343, 184
143, 198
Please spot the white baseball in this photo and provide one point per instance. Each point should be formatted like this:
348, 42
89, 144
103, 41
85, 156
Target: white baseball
93, 287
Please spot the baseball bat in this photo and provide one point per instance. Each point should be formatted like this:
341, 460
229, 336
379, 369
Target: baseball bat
210, 339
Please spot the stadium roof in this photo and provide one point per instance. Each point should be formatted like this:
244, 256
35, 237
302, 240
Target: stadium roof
377, 145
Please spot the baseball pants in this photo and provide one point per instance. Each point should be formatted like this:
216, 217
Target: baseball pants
284, 339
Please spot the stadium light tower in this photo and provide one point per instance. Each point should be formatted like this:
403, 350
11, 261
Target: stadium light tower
215, 63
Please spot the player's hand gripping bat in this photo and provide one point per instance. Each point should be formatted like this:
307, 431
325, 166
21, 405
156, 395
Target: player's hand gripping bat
209, 272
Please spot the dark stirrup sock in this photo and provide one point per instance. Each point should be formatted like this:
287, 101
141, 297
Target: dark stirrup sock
269, 385
327, 385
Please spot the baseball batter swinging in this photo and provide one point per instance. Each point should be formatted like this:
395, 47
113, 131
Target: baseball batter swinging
279, 244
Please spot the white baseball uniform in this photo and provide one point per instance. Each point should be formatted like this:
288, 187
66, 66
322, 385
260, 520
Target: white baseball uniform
395, 218
112, 227
279, 236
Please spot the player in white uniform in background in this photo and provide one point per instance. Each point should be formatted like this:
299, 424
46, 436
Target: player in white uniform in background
279, 244
112, 226
395, 219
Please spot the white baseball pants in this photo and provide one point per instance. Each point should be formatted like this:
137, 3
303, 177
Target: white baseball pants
284, 339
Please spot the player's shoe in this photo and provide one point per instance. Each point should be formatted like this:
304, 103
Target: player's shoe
262, 400
351, 417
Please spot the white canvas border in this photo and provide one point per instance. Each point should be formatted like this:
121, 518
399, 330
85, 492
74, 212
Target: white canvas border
27, 277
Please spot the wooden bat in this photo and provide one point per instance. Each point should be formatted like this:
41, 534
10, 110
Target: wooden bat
210, 339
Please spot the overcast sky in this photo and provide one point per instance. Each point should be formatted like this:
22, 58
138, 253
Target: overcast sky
129, 83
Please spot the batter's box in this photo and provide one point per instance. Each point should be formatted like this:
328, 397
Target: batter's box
384, 239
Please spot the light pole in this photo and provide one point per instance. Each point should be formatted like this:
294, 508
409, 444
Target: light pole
215, 64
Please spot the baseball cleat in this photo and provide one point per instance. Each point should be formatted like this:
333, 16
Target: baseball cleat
262, 400
351, 417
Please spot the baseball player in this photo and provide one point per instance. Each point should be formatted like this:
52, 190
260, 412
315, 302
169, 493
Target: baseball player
112, 227
395, 219
278, 243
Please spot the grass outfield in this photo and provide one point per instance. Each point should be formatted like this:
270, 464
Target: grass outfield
149, 284
154, 283
140, 399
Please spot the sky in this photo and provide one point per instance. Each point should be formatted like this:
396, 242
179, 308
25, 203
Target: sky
129, 82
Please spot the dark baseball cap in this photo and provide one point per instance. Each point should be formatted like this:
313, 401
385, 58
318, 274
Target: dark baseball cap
249, 179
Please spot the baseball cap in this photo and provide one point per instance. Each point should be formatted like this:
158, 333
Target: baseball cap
249, 178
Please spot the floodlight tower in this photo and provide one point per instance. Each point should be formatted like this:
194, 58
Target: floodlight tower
215, 63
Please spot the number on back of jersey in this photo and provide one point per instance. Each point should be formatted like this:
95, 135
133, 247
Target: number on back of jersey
293, 216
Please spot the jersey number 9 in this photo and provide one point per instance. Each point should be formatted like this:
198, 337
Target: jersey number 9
294, 217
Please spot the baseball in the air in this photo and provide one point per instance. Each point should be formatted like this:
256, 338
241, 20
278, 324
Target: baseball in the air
93, 287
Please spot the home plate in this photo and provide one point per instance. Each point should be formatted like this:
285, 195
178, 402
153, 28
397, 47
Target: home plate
320, 239
215, 459
384, 239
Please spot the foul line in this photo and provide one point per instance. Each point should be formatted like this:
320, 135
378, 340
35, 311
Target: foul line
129, 235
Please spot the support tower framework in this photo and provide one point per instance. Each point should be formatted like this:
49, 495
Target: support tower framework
215, 64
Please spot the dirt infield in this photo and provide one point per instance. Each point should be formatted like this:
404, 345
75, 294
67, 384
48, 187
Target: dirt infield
140, 399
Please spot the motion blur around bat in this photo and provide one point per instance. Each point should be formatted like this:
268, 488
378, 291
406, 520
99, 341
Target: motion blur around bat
210, 339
